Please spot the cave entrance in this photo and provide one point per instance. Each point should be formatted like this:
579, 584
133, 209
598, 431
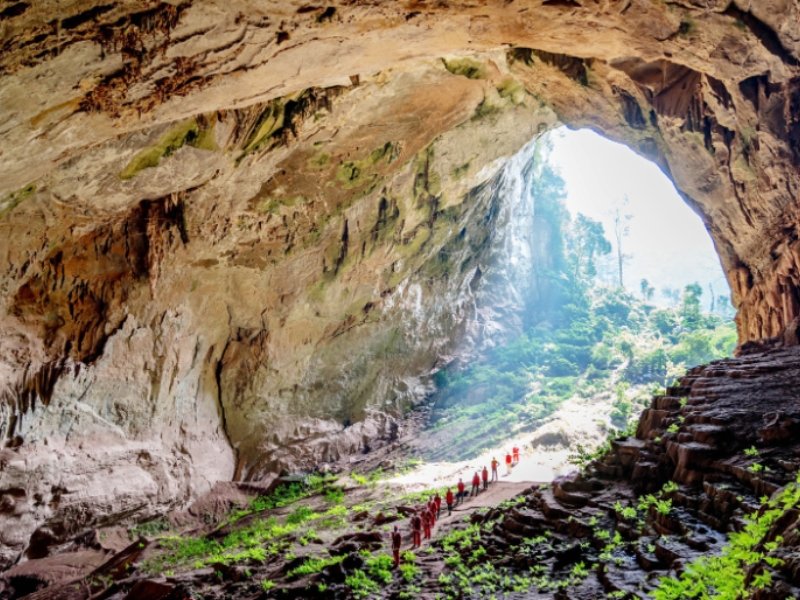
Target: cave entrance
603, 287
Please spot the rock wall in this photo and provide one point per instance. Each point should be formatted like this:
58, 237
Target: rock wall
235, 235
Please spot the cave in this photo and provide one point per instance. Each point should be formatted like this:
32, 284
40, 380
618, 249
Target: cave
237, 238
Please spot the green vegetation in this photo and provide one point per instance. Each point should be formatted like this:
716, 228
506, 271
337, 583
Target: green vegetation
189, 132
363, 172
752, 451
579, 338
256, 537
270, 123
315, 565
12, 200
361, 585
148, 529
319, 160
466, 67
745, 563
486, 108
511, 89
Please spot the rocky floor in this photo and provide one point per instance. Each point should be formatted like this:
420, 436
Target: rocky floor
706, 454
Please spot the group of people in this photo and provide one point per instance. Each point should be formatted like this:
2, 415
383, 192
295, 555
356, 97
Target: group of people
424, 517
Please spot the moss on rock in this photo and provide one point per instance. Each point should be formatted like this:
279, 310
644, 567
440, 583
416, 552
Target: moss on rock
189, 132
12, 200
364, 172
465, 67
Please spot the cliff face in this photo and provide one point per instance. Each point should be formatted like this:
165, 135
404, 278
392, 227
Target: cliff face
236, 235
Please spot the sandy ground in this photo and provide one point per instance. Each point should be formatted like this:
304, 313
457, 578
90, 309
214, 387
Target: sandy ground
544, 450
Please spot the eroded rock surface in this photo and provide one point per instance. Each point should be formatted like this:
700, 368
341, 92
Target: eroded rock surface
705, 456
236, 236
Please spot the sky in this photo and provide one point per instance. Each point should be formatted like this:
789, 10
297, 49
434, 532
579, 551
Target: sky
667, 242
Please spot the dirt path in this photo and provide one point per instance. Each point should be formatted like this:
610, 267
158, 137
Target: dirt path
498, 492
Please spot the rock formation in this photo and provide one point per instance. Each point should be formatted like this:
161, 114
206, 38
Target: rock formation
236, 236
706, 455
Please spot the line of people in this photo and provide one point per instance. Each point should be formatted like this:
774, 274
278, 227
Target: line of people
424, 518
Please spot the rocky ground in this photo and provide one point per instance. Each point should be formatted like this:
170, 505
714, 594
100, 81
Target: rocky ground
715, 455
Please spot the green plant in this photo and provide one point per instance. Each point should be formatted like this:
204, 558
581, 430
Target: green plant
267, 585
301, 514
315, 565
361, 585
379, 568
308, 537
149, 529
724, 576
408, 571
663, 507
408, 556
334, 496
579, 570
669, 487
752, 451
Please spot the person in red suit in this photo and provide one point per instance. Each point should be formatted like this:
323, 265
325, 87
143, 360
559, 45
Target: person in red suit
476, 484
426, 523
416, 529
397, 541
448, 498
462, 491
485, 477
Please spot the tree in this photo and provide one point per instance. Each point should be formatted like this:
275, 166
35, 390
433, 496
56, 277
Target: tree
647, 290
713, 297
621, 231
724, 306
690, 306
588, 241
671, 294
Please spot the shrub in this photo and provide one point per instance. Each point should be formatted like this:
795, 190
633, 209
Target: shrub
361, 585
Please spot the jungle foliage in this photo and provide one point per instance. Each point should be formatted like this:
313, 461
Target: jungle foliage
581, 337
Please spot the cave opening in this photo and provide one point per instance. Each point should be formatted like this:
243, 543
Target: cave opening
602, 288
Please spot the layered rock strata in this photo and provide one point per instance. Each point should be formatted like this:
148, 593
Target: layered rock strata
708, 453
237, 235
705, 455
